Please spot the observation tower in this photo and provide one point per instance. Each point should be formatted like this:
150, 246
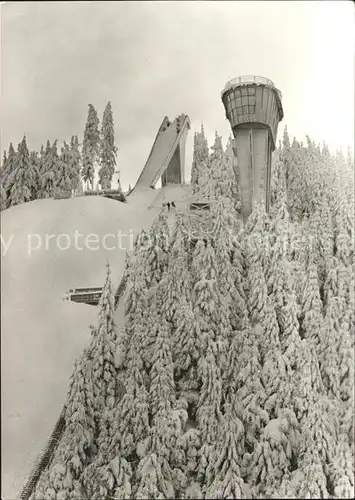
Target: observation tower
254, 109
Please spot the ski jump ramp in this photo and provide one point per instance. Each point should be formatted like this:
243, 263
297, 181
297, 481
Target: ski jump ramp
167, 156
42, 335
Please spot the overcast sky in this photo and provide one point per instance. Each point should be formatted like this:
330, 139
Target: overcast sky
152, 59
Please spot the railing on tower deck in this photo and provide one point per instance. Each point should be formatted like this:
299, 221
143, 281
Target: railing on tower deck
250, 79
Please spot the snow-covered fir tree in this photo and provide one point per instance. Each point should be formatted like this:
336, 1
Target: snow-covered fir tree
35, 168
91, 145
61, 479
75, 165
108, 149
49, 176
104, 376
157, 248
200, 160
64, 174
3, 175
24, 180
8, 177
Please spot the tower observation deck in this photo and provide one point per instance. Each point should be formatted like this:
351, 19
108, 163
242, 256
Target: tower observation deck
254, 109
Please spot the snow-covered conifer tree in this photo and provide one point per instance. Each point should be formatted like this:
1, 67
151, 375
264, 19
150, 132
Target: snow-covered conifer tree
204, 261
278, 272
209, 406
336, 355
307, 380
203, 145
75, 164
289, 328
157, 248
154, 316
24, 176
108, 149
194, 167
35, 168
136, 303
272, 457
259, 237
224, 477
340, 471
154, 474
319, 429
162, 389
91, 144
217, 148
306, 481
185, 349
286, 153
312, 307
2, 182
2, 197
64, 174
257, 297
8, 174
277, 380
211, 327
104, 348
78, 441
228, 274
243, 386
178, 282
209, 306
50, 170
200, 161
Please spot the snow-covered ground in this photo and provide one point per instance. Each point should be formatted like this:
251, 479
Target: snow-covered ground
42, 335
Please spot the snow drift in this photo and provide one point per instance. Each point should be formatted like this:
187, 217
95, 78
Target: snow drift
42, 335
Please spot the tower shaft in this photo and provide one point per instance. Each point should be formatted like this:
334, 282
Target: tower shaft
254, 109
254, 149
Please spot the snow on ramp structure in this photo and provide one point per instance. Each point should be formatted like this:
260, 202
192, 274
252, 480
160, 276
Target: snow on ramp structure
42, 334
167, 156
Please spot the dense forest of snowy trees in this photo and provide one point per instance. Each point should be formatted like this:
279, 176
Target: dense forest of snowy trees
236, 356
28, 175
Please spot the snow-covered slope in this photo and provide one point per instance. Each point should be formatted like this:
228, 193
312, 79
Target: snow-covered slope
41, 334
